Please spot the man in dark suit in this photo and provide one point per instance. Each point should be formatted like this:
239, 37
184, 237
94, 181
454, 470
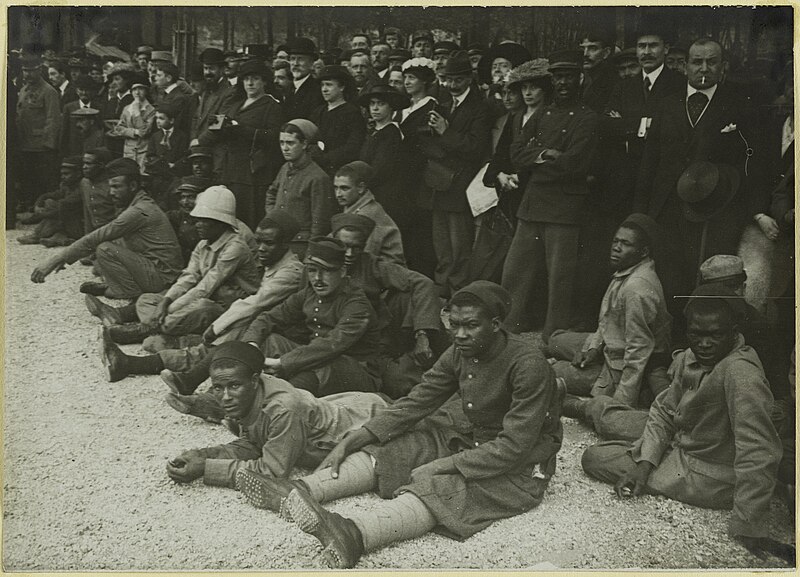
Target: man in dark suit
167, 77
455, 151
599, 74
629, 110
305, 95
86, 89
704, 122
57, 73
556, 149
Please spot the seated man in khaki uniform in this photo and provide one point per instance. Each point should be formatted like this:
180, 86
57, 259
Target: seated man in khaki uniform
488, 455
221, 270
708, 440
137, 252
279, 427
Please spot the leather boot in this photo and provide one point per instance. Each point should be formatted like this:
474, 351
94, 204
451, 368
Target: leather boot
58, 239
341, 540
28, 239
204, 405
574, 407
97, 289
264, 492
130, 333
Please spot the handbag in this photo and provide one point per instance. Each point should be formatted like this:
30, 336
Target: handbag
437, 176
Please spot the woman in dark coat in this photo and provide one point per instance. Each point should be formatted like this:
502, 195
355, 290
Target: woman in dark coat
248, 139
418, 75
382, 150
342, 127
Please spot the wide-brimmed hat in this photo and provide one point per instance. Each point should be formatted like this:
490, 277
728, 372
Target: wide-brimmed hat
30, 61
458, 64
536, 70
383, 91
325, 252
254, 67
511, 51
212, 56
706, 189
566, 60
337, 72
302, 46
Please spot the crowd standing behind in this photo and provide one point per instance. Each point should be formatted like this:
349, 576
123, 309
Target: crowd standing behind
416, 209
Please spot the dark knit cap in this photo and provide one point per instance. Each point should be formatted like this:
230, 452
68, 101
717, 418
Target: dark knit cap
326, 252
494, 297
357, 221
240, 352
122, 167
362, 171
281, 220
647, 225
75, 161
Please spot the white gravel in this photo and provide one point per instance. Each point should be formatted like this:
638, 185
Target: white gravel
85, 486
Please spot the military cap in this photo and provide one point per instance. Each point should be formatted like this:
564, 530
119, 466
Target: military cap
351, 220
122, 167
475, 49
103, 154
326, 252
566, 60
283, 221
399, 55
74, 161
161, 56
144, 49
494, 297
722, 267
647, 225
193, 183
81, 112
200, 152
248, 355
422, 35
718, 290
308, 128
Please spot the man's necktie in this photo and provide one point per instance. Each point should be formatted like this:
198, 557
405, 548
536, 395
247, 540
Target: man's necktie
695, 106
647, 85
165, 139
453, 106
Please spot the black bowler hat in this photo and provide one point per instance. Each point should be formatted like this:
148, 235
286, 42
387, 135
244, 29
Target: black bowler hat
212, 56
566, 60
458, 64
258, 50
515, 53
303, 46
391, 96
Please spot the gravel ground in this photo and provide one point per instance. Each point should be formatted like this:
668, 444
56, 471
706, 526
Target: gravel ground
85, 486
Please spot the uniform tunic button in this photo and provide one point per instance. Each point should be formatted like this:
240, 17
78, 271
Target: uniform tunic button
571, 113
469, 405
469, 376
477, 444
316, 334
474, 360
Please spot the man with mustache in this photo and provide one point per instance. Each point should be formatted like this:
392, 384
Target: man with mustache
599, 75
304, 95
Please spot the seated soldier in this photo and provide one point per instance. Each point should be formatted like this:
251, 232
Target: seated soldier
708, 440
137, 252
490, 457
279, 427
221, 270
283, 276
335, 342
98, 206
181, 218
351, 187
406, 301
627, 356
60, 213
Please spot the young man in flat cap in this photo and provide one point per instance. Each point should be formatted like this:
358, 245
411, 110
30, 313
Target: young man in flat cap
406, 302
146, 256
301, 188
708, 440
60, 213
556, 148
283, 276
279, 426
221, 270
627, 357
351, 188
485, 456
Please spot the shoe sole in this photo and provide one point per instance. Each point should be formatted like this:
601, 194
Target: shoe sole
305, 515
260, 495
98, 309
173, 401
171, 385
93, 305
